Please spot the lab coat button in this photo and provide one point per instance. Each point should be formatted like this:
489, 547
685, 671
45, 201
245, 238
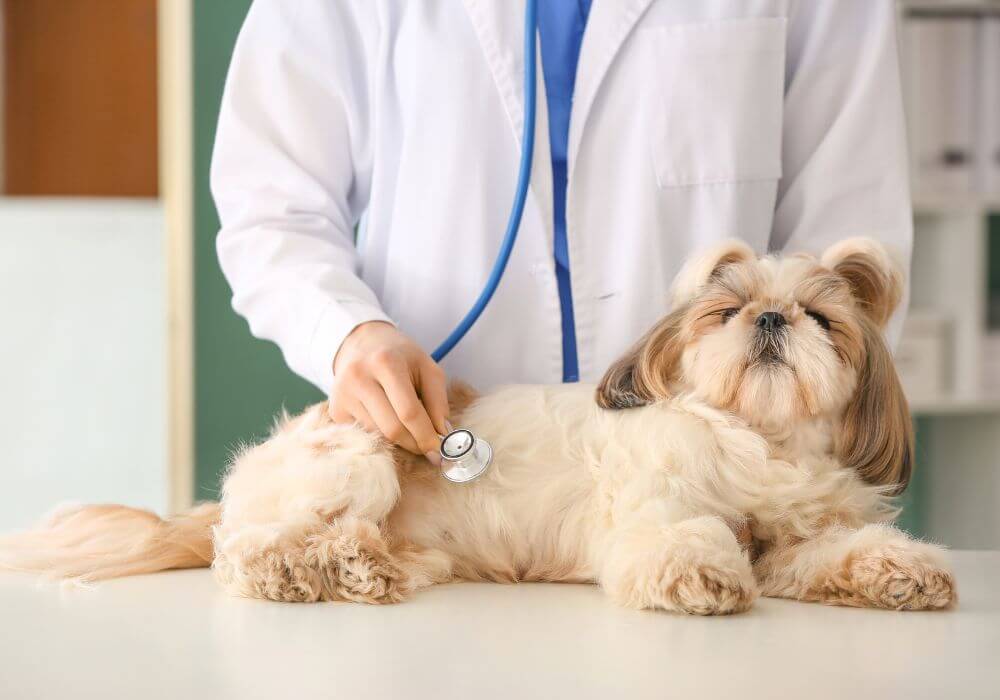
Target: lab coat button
541, 271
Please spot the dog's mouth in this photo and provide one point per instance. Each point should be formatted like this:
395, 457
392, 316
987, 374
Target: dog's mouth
767, 349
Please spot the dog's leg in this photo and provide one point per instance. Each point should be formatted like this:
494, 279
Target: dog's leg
877, 566
311, 467
302, 512
693, 566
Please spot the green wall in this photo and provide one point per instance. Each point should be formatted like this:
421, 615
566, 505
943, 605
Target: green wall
913, 500
240, 382
993, 248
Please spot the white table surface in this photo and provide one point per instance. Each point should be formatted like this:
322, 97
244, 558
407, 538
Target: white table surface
176, 635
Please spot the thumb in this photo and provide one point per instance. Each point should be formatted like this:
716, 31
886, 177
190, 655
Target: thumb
433, 385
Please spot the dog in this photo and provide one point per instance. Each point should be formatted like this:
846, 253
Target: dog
766, 400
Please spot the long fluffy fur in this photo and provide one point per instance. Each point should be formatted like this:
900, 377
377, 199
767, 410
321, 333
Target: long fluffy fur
106, 541
709, 422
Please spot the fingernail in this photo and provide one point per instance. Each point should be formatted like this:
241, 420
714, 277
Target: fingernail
434, 458
448, 425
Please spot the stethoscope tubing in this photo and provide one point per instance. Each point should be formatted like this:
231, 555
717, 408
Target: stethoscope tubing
520, 194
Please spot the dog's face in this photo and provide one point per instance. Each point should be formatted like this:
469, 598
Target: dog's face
779, 341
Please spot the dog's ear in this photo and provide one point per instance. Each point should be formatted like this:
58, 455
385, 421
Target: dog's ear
643, 375
876, 437
876, 279
704, 266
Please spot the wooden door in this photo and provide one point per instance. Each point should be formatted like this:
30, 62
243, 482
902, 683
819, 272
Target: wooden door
80, 97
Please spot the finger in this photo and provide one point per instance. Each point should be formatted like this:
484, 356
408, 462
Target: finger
378, 406
343, 401
341, 410
339, 407
433, 389
352, 411
364, 419
409, 409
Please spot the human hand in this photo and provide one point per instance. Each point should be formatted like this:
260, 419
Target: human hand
388, 384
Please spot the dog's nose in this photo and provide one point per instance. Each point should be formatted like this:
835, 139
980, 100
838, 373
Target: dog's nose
770, 321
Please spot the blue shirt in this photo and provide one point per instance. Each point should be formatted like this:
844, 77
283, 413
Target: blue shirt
560, 31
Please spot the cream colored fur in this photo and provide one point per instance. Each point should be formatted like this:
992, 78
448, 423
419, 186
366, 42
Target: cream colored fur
640, 501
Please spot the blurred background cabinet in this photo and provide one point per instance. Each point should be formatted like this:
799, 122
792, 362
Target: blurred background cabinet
80, 90
950, 62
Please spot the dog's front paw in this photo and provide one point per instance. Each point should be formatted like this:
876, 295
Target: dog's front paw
694, 567
902, 578
708, 589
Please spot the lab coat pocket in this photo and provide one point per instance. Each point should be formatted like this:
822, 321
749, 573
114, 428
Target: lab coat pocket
716, 94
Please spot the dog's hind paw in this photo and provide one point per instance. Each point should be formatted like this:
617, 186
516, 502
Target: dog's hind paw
343, 560
355, 564
271, 574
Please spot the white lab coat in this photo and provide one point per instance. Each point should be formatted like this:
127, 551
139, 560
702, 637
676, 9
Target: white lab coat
776, 121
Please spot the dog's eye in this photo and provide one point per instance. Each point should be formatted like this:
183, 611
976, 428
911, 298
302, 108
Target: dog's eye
820, 319
727, 314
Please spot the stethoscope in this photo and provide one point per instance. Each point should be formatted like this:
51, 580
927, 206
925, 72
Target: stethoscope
465, 457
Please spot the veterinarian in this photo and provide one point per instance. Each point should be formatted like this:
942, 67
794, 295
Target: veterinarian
662, 127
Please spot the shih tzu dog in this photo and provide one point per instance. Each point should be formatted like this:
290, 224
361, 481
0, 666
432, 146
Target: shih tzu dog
766, 399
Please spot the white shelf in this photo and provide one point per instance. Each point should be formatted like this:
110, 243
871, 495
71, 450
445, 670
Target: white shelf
955, 405
951, 5
954, 203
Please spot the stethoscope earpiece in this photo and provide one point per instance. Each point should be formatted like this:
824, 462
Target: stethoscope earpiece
464, 457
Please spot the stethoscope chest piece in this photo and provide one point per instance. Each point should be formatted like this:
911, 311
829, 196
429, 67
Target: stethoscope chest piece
464, 457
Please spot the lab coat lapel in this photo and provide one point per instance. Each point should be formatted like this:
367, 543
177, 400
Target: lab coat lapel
608, 25
499, 26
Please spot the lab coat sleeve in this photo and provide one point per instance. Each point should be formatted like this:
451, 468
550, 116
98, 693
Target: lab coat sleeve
290, 177
844, 157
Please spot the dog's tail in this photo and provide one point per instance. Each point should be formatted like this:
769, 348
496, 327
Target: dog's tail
90, 543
